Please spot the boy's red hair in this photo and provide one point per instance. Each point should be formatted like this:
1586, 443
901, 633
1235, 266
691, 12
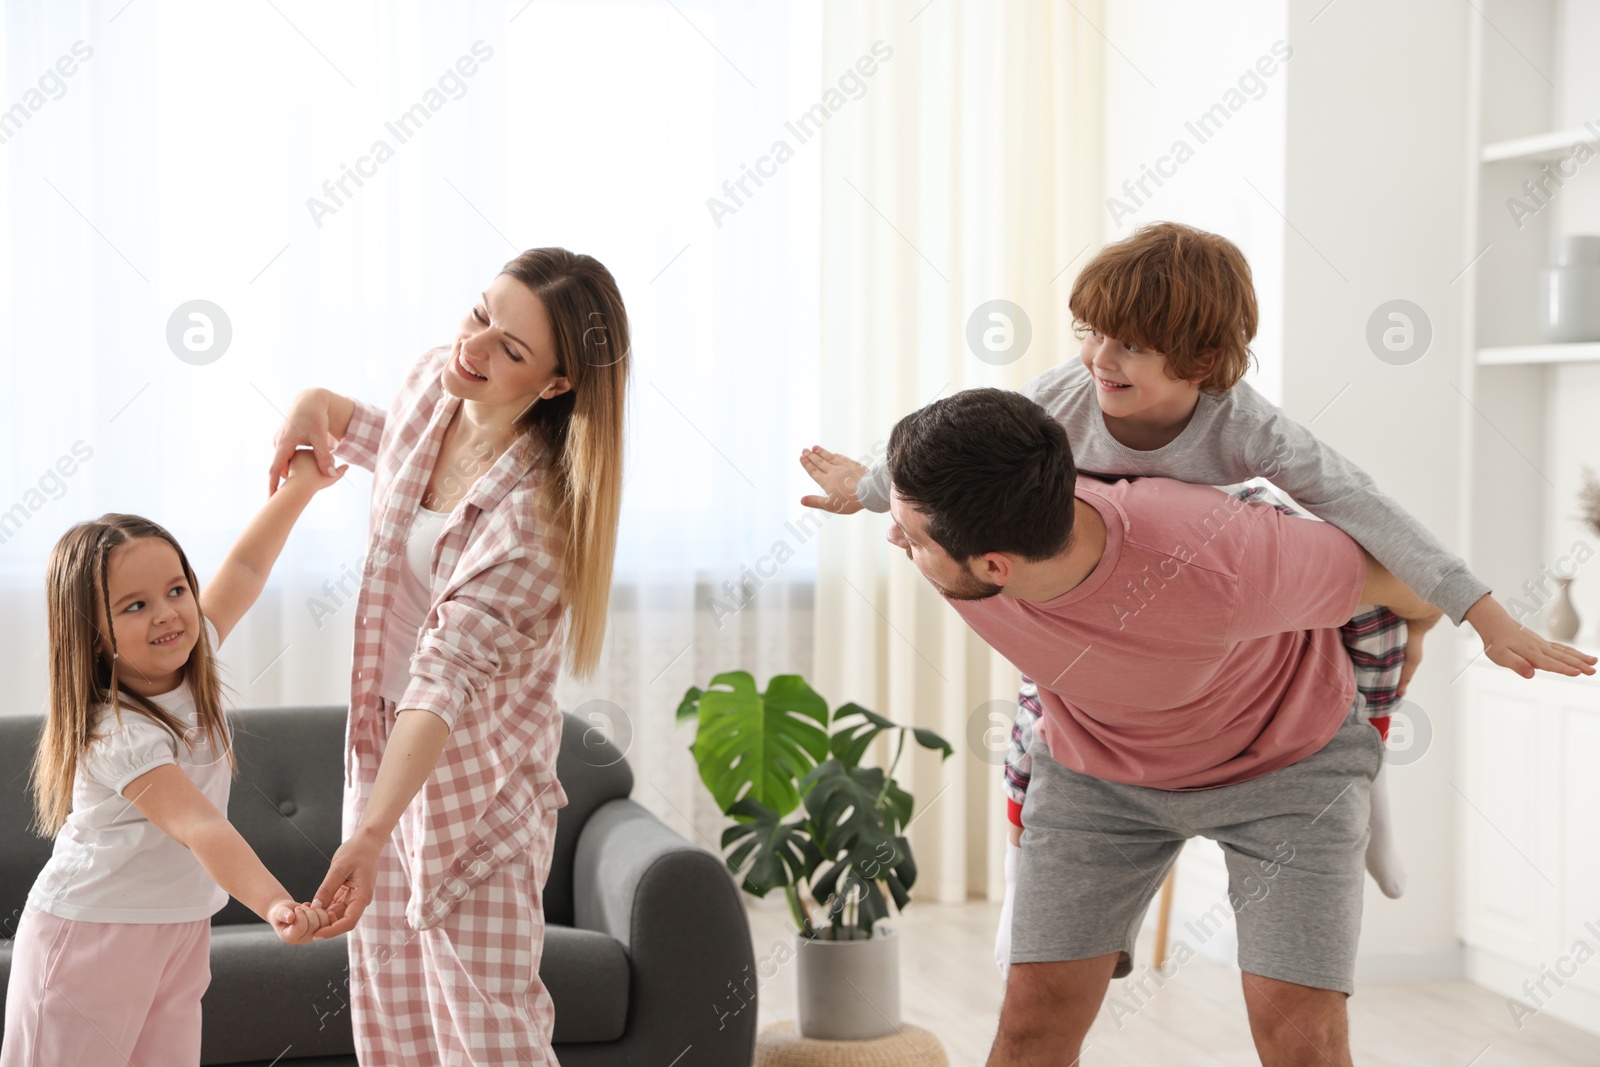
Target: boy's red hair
1177, 290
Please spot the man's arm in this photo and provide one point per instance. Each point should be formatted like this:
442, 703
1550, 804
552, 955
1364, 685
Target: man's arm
1385, 590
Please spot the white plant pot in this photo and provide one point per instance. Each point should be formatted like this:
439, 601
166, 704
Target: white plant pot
848, 990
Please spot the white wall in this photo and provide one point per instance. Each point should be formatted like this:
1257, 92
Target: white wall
1375, 195
1342, 180
1168, 62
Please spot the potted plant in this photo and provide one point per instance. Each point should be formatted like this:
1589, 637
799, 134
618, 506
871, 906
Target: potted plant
767, 756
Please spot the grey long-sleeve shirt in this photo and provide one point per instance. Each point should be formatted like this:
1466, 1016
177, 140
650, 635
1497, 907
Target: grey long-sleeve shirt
1233, 438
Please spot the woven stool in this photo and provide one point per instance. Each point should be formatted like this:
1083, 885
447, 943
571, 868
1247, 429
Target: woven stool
780, 1045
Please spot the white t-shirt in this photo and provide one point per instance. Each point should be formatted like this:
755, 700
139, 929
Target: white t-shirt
408, 607
110, 863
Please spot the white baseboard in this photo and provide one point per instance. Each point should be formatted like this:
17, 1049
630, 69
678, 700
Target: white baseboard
1571, 1003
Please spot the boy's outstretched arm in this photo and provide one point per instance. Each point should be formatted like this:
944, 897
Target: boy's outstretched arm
1517, 648
1507, 643
243, 574
837, 476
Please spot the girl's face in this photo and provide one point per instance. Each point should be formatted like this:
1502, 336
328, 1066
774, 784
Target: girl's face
153, 613
504, 354
1130, 380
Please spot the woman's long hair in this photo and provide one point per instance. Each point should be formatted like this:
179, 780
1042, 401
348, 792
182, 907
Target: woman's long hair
583, 428
84, 677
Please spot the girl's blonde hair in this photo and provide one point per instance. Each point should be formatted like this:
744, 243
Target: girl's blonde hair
84, 676
583, 428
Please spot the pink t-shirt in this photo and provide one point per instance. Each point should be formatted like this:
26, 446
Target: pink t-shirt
1203, 650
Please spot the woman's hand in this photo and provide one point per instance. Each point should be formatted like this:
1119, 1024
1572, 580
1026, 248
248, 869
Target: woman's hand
305, 426
347, 889
303, 465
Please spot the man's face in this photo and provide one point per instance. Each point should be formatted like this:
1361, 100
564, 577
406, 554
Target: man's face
954, 581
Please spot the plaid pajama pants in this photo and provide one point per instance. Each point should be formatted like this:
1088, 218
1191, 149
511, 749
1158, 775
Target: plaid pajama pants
463, 993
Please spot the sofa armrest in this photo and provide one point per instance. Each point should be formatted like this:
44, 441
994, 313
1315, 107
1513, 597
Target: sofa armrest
677, 913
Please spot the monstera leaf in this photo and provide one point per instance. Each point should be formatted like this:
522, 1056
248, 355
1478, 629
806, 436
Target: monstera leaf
757, 745
771, 854
843, 805
860, 727
764, 754
860, 872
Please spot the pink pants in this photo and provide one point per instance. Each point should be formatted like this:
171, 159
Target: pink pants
117, 994
464, 993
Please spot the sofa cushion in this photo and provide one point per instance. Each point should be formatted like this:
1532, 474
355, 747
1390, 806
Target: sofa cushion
268, 996
268, 999
286, 801
593, 771
587, 975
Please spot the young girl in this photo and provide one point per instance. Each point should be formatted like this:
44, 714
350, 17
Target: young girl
132, 777
1166, 317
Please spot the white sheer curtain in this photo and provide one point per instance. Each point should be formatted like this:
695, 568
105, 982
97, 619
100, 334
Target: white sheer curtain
341, 181
971, 175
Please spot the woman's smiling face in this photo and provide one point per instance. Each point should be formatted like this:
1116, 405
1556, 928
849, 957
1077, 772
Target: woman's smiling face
504, 354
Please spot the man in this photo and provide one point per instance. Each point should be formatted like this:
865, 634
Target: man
1193, 678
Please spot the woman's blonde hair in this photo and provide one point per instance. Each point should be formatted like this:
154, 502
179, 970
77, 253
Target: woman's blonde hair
1177, 290
84, 675
583, 428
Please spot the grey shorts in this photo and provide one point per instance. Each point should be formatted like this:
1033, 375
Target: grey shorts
1094, 854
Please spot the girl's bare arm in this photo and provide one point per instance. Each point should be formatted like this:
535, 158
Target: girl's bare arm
243, 574
169, 799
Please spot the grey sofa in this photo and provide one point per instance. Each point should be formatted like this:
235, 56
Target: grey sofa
645, 932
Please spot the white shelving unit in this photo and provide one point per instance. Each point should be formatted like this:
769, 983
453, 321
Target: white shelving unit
1530, 872
1542, 147
1524, 354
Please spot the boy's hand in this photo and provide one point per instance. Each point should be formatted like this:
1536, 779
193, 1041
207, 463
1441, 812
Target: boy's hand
1522, 650
304, 469
1511, 645
297, 924
837, 475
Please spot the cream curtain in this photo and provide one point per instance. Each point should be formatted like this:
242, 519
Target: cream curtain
971, 174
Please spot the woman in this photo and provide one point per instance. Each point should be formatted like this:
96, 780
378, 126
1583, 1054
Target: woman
497, 487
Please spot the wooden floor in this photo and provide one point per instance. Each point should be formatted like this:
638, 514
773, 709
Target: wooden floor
950, 985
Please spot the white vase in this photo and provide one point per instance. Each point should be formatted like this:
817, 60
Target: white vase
1561, 622
848, 990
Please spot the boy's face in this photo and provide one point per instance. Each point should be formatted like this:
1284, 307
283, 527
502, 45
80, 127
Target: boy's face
1130, 380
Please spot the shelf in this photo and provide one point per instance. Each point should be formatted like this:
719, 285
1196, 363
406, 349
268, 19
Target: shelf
1579, 353
1542, 147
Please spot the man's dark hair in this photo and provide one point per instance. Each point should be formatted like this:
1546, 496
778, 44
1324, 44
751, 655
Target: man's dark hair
990, 471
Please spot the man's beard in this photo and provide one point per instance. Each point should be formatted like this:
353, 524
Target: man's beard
971, 588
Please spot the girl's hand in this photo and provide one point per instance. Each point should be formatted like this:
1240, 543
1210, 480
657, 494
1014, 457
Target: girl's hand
305, 467
297, 924
837, 475
305, 426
